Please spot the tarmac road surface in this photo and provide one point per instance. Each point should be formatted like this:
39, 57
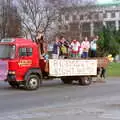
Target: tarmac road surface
56, 101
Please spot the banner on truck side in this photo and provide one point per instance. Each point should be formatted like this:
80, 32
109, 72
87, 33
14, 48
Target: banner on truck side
68, 67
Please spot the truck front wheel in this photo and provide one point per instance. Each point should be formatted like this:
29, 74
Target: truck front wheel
32, 82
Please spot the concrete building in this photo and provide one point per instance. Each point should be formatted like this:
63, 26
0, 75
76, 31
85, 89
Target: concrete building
88, 20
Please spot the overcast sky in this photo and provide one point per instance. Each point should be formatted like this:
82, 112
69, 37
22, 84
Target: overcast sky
106, 1
98, 1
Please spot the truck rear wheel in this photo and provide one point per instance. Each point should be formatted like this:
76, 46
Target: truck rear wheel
33, 82
85, 81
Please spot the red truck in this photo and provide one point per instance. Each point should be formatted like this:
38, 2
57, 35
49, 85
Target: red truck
22, 64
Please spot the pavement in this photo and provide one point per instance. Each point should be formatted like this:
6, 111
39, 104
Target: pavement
56, 101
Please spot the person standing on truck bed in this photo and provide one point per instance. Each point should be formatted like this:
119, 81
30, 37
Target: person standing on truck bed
75, 47
93, 47
56, 49
40, 41
85, 46
64, 47
45, 50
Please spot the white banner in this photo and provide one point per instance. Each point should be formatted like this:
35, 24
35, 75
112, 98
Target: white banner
68, 67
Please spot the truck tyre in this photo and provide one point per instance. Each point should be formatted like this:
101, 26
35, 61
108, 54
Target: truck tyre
32, 82
66, 80
13, 84
85, 81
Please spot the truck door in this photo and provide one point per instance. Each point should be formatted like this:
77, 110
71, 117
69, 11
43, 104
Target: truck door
25, 61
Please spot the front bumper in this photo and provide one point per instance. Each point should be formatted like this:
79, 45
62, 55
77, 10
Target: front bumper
11, 77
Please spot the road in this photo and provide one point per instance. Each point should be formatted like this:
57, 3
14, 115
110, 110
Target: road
56, 101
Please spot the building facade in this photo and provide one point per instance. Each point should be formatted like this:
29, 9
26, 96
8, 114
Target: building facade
88, 20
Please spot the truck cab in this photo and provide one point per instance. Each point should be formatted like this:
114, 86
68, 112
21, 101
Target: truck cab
23, 63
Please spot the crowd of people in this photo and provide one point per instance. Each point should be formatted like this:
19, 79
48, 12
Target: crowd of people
63, 48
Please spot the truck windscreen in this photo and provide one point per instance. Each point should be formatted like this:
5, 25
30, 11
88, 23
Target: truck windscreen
7, 51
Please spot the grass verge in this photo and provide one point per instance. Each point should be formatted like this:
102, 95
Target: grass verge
113, 70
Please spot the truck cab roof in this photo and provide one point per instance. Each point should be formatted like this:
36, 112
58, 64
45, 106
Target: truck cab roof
17, 41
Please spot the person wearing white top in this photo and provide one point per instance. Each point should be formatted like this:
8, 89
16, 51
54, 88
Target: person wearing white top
85, 47
93, 47
75, 45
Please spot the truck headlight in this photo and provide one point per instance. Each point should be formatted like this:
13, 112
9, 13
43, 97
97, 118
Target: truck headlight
11, 72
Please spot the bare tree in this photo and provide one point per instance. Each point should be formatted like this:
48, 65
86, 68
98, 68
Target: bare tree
10, 24
45, 15
36, 15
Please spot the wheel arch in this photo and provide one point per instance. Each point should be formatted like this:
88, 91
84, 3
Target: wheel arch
33, 71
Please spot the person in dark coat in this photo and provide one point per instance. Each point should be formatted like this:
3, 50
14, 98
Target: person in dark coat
56, 49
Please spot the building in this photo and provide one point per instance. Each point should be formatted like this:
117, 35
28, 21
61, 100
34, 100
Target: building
88, 20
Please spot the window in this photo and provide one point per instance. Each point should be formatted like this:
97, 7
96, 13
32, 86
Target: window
89, 16
29, 51
105, 15
66, 27
81, 17
7, 51
96, 16
97, 27
74, 17
67, 17
85, 29
85, 16
59, 27
111, 25
25, 52
74, 26
112, 15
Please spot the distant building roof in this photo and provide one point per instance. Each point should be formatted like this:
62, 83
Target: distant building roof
112, 3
